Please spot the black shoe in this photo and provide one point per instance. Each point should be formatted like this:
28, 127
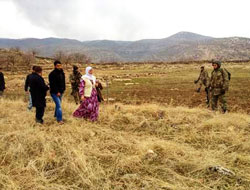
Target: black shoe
39, 121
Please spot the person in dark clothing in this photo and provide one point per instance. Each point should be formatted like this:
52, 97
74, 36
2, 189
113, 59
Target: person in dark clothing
99, 89
2, 82
74, 79
38, 90
27, 87
57, 88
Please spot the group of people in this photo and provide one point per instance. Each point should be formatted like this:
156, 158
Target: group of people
216, 87
84, 90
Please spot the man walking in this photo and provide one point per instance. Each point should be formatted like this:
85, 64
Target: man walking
219, 84
2, 82
38, 90
75, 78
203, 80
27, 87
57, 88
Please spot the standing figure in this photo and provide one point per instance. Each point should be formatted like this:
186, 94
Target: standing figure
203, 80
2, 82
27, 87
75, 78
89, 108
219, 85
38, 90
57, 88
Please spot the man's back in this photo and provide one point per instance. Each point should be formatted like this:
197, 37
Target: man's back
38, 90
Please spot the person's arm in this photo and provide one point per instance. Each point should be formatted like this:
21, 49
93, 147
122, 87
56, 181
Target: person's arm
81, 89
196, 81
225, 81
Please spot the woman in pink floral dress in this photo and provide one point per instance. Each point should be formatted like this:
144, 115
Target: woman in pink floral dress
89, 108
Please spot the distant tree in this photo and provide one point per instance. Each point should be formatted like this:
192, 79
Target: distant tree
29, 59
68, 59
12, 60
34, 52
60, 56
15, 49
79, 58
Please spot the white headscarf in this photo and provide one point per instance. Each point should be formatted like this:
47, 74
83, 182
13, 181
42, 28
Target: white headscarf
89, 76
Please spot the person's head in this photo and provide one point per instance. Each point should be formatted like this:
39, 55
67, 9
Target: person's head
75, 68
216, 64
58, 65
38, 70
33, 68
89, 71
202, 67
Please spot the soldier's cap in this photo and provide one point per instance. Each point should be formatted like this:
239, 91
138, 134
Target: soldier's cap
216, 62
75, 67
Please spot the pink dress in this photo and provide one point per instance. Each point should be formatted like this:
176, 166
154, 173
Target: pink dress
89, 108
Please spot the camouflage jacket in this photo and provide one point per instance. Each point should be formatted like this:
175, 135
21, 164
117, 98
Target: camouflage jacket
75, 80
219, 81
204, 77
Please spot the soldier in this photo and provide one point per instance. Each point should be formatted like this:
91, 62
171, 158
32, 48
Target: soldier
203, 80
219, 85
75, 78
2, 82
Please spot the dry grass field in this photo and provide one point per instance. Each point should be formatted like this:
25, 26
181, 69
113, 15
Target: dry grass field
157, 134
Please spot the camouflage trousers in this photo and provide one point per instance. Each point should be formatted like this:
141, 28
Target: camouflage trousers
221, 98
76, 95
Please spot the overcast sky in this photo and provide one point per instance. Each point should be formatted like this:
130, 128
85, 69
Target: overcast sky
122, 19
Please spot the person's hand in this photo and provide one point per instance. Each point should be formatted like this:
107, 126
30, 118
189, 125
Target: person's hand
27, 92
58, 94
82, 98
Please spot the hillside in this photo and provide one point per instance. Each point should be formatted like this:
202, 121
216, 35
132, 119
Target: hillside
147, 147
178, 47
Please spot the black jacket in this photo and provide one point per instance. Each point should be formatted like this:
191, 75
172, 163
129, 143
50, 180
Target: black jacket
57, 81
2, 82
38, 90
27, 82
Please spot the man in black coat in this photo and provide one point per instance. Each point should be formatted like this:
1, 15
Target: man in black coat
57, 88
2, 82
27, 87
38, 90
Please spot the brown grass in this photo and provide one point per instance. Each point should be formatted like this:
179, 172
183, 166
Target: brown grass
148, 147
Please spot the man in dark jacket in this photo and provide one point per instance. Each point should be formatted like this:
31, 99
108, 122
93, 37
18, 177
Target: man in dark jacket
57, 88
2, 82
38, 90
27, 87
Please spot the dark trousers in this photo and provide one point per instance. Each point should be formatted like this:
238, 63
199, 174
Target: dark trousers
39, 114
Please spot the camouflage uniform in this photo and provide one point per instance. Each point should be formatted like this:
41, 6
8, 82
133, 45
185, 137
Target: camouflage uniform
204, 80
219, 84
75, 81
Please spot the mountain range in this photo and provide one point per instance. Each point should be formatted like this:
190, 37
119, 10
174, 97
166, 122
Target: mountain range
183, 46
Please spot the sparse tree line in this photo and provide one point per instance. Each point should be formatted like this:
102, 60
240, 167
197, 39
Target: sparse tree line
14, 59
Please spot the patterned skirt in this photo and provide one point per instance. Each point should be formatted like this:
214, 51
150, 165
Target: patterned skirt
89, 108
